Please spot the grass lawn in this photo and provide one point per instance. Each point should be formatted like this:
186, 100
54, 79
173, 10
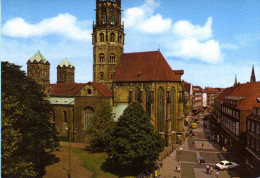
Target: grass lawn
94, 162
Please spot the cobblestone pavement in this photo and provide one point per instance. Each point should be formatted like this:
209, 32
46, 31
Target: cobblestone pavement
188, 158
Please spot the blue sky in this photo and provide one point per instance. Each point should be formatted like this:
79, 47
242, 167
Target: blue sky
211, 40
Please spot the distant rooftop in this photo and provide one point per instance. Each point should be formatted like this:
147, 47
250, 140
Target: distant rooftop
65, 63
38, 57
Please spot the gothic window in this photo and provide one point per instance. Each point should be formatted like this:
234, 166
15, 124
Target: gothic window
101, 35
65, 117
112, 58
113, 20
172, 107
104, 19
112, 37
88, 113
148, 100
137, 95
101, 57
160, 110
101, 75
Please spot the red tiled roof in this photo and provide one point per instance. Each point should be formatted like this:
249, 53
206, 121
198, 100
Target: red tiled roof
178, 72
65, 89
102, 89
248, 90
197, 89
225, 93
144, 66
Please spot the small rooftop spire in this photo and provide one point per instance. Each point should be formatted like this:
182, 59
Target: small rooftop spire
235, 80
252, 75
158, 47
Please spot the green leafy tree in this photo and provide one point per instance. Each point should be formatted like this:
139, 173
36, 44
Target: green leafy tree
100, 123
27, 136
133, 142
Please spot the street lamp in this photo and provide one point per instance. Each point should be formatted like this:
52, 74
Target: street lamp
69, 171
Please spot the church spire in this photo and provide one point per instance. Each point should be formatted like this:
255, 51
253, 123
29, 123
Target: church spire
252, 75
235, 80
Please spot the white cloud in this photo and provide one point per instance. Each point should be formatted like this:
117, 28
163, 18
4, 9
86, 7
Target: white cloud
185, 29
63, 24
229, 46
143, 19
156, 24
195, 42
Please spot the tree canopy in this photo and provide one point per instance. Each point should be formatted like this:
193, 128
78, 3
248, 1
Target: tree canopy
27, 136
133, 142
100, 123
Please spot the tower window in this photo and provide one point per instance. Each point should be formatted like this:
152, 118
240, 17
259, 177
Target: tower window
101, 36
104, 19
113, 20
112, 58
101, 75
102, 57
112, 37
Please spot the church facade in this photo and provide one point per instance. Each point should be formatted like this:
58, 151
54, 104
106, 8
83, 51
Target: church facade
118, 78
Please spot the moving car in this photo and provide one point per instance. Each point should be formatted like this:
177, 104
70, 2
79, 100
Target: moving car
223, 165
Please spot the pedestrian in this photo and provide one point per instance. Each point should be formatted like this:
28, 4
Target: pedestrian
159, 176
190, 136
211, 170
201, 159
217, 174
207, 169
202, 145
179, 168
193, 143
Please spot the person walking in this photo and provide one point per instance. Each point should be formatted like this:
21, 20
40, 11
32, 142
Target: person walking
211, 170
201, 159
207, 169
179, 168
202, 145
217, 174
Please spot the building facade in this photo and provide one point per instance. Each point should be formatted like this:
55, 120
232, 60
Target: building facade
253, 139
232, 107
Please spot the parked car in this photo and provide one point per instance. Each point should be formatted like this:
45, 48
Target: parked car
223, 165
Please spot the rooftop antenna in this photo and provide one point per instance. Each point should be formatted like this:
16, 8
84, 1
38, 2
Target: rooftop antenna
158, 47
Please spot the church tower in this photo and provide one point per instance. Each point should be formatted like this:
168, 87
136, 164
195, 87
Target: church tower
252, 79
38, 68
65, 72
108, 40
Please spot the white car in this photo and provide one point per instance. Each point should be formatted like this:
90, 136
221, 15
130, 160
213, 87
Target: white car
223, 165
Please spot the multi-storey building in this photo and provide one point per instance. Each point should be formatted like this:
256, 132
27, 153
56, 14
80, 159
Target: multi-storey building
212, 93
232, 107
253, 139
197, 98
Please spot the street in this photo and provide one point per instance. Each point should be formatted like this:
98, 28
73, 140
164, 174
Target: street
193, 148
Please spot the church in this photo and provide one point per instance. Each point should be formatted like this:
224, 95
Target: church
118, 78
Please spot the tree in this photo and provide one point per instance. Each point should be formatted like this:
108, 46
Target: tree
100, 123
133, 142
27, 136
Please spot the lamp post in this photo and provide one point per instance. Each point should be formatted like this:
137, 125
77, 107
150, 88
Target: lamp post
69, 171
